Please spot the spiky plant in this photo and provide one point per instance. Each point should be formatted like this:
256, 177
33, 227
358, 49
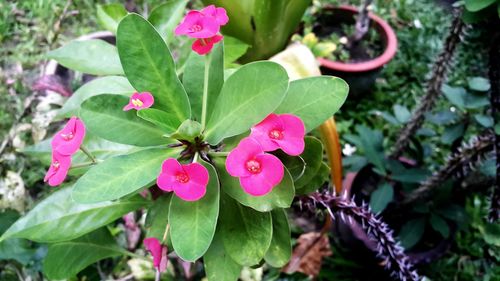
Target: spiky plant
388, 248
438, 76
465, 159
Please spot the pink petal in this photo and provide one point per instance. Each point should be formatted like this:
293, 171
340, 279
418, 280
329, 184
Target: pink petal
221, 16
171, 166
216, 38
209, 10
261, 132
270, 176
292, 146
192, 18
293, 135
75, 127
55, 176
128, 107
155, 248
190, 191
164, 259
166, 180
147, 99
246, 150
200, 48
197, 173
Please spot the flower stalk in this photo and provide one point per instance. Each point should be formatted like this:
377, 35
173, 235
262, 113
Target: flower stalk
205, 93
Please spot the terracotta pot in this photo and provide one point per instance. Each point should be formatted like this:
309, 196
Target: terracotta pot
361, 75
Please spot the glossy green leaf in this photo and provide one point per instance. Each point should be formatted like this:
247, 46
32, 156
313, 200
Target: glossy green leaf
314, 99
193, 79
246, 233
452, 132
485, 120
440, 225
192, 224
479, 84
117, 85
149, 66
381, 197
103, 116
20, 250
317, 181
219, 266
66, 259
477, 5
247, 97
109, 15
161, 119
295, 165
157, 217
166, 16
280, 197
456, 95
189, 130
121, 175
402, 113
70, 219
233, 49
411, 232
371, 146
92, 56
312, 156
280, 251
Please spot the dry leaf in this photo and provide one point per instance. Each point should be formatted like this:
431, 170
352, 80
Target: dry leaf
308, 254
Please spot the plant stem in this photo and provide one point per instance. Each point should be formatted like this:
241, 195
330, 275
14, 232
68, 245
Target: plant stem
158, 275
164, 240
82, 165
218, 153
88, 153
205, 93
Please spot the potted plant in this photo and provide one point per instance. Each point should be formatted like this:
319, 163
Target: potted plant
351, 43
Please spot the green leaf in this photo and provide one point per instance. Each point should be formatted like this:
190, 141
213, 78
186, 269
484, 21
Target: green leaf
317, 181
192, 224
166, 16
246, 233
411, 232
312, 156
121, 175
453, 132
193, 79
149, 66
219, 266
280, 197
402, 113
479, 84
66, 259
92, 56
162, 119
456, 95
477, 5
381, 197
280, 251
440, 225
314, 99
103, 116
295, 165
247, 97
189, 130
233, 50
371, 144
117, 85
109, 15
70, 219
17, 249
157, 217
485, 120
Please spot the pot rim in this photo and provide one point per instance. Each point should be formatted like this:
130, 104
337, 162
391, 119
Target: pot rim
378, 62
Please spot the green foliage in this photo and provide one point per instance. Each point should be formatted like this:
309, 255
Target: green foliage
66, 259
192, 224
313, 157
412, 232
280, 251
71, 219
381, 197
89, 56
121, 175
110, 15
166, 16
247, 97
149, 66
219, 266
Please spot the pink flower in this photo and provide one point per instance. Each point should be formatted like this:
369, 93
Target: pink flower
68, 140
58, 169
219, 14
259, 172
204, 46
139, 101
285, 131
158, 251
198, 25
189, 182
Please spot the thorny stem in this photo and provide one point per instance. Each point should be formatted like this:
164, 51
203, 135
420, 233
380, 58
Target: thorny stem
205, 93
388, 249
88, 153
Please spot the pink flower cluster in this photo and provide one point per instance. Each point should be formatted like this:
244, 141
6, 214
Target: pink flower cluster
189, 182
203, 25
258, 171
64, 144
